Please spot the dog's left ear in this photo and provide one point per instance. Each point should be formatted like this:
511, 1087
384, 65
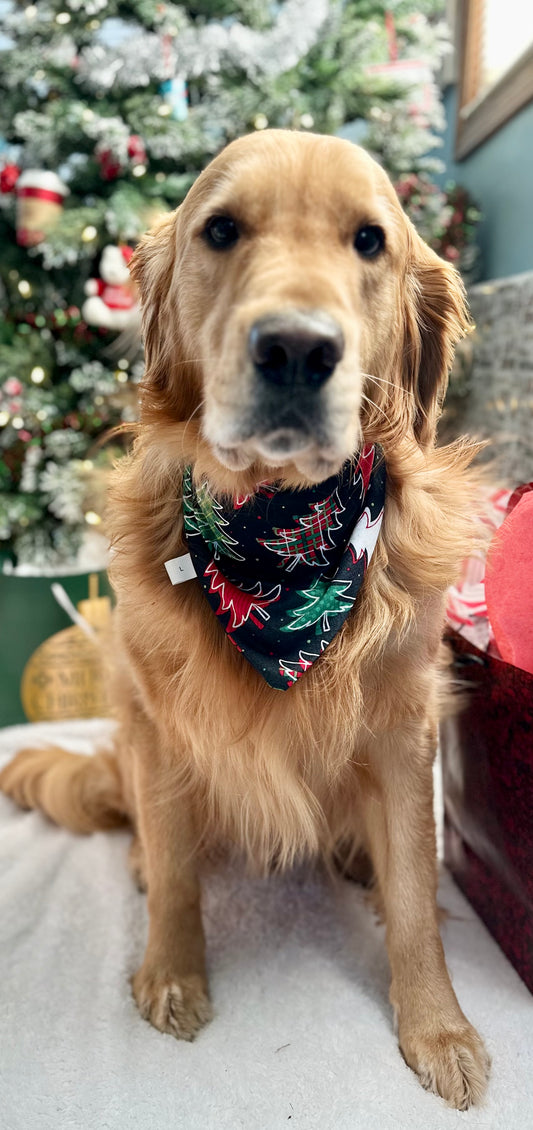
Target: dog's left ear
435, 318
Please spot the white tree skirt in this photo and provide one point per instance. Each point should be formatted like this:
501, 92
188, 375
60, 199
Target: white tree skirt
302, 1035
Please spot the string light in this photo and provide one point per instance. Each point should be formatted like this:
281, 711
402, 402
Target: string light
160, 177
17, 422
63, 18
123, 363
4, 419
92, 518
37, 375
89, 233
139, 170
164, 110
88, 464
41, 414
24, 288
307, 121
121, 376
260, 121
30, 12
87, 114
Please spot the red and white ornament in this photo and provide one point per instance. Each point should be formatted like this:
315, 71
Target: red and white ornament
8, 178
112, 298
136, 149
110, 166
40, 197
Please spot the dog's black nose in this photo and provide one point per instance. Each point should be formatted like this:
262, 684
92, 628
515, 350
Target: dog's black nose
296, 348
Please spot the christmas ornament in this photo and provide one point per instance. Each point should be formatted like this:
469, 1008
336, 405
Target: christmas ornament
310, 550
112, 301
136, 149
40, 196
66, 676
110, 166
9, 177
174, 93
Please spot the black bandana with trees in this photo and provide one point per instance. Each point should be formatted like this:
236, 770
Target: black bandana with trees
281, 569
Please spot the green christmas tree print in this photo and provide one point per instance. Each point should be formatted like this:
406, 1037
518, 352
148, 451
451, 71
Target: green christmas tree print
307, 542
203, 515
322, 600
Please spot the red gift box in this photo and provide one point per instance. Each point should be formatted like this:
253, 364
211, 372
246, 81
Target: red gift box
487, 750
487, 762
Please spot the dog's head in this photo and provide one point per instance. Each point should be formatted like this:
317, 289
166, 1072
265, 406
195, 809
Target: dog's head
290, 308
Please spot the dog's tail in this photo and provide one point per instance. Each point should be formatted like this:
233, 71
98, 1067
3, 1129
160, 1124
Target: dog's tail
81, 793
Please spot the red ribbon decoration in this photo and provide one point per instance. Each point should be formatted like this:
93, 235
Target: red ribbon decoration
41, 194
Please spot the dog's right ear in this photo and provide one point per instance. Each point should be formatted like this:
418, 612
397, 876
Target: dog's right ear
152, 268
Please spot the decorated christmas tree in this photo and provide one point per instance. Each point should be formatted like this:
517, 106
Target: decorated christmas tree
108, 111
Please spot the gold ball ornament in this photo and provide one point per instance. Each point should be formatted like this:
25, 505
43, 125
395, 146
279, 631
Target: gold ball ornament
67, 675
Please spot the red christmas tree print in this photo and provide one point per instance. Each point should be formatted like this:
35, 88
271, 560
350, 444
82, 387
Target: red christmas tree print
364, 467
306, 542
304, 662
240, 603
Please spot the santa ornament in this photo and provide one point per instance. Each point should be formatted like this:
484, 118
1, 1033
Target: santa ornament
40, 197
112, 298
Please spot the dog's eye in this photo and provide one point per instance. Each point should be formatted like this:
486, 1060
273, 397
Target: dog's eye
369, 241
221, 231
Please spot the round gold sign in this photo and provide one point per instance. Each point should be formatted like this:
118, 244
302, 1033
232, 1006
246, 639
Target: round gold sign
65, 678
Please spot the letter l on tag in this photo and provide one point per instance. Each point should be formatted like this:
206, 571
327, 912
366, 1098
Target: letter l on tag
180, 569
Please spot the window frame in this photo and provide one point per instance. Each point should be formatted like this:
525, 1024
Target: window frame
478, 118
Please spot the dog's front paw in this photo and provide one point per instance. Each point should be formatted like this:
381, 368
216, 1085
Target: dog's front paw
177, 1005
452, 1063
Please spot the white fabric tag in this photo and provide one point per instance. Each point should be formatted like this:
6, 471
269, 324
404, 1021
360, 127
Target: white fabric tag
180, 569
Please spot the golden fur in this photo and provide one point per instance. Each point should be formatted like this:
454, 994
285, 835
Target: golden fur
341, 763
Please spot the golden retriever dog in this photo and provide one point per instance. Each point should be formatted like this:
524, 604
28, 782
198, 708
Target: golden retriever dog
292, 317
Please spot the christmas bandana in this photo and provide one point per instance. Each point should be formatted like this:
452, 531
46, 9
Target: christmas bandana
281, 569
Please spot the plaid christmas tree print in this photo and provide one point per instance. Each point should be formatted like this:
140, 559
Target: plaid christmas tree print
306, 542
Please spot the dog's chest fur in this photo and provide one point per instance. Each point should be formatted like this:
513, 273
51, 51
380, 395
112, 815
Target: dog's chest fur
278, 773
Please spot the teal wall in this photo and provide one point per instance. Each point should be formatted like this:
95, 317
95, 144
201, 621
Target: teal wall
499, 174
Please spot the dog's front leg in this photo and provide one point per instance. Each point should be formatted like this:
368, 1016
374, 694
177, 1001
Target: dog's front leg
435, 1037
170, 987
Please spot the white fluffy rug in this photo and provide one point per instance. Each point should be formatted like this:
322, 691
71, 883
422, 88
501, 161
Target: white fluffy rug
302, 1035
